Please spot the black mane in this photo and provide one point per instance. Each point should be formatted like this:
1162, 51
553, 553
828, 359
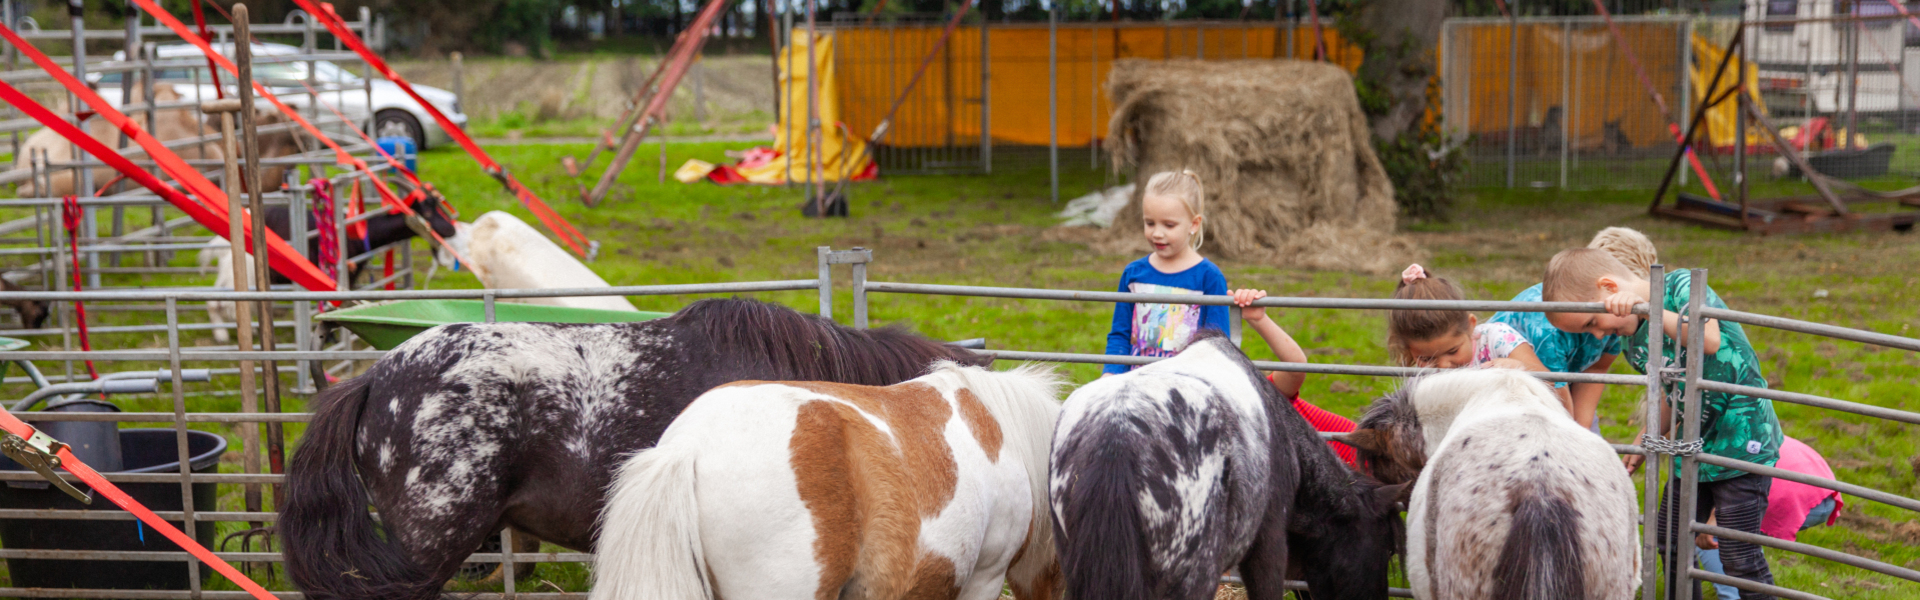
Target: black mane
803, 347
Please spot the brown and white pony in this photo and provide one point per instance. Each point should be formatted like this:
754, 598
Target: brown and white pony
1514, 499
932, 488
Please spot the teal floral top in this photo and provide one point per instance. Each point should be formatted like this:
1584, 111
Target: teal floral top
1731, 425
1559, 351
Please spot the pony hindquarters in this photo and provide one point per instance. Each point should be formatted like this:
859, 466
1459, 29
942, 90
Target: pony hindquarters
805, 490
1516, 500
1163, 477
333, 547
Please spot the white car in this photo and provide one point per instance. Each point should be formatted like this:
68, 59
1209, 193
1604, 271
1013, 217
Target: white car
392, 113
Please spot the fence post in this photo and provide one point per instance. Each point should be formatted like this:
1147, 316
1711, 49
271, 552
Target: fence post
1690, 432
1053, 97
486, 304
860, 286
506, 561
1566, 96
1513, 97
986, 100
1656, 367
1686, 61
180, 435
302, 310
826, 281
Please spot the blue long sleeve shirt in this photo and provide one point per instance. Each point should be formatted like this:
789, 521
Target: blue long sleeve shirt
1164, 329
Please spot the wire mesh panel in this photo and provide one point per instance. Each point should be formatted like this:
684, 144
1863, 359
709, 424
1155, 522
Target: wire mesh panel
1565, 102
938, 125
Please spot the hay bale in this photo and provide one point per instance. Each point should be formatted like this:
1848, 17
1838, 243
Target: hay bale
1283, 149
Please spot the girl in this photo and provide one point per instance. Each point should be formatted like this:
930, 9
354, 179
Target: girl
1450, 339
1288, 382
1173, 212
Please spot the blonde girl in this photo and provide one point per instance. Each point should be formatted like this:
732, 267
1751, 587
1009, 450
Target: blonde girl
1173, 218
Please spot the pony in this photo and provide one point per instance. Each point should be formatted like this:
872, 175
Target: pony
930, 489
471, 427
1167, 476
1514, 499
33, 313
506, 253
381, 230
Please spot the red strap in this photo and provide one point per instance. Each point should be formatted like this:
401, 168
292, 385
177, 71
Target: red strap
101, 486
72, 213
200, 19
554, 222
207, 205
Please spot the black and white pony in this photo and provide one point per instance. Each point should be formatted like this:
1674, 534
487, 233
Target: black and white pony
1514, 500
469, 428
380, 230
1168, 476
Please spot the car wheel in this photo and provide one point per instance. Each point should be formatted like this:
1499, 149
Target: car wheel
397, 123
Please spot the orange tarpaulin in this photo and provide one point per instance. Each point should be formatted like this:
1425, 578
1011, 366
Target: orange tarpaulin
1575, 73
945, 108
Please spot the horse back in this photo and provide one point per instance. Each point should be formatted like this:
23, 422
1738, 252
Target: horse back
1523, 505
905, 491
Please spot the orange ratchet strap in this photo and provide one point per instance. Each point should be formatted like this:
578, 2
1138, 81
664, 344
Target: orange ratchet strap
41, 453
207, 205
554, 222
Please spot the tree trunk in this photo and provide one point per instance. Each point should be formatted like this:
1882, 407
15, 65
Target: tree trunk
1400, 58
617, 25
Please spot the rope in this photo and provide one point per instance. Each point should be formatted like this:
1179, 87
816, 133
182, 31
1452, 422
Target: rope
71, 215
323, 220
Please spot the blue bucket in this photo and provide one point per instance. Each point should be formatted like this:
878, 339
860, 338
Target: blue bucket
401, 148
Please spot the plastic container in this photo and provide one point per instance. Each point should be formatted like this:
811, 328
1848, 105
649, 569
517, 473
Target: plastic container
142, 451
388, 324
96, 443
401, 148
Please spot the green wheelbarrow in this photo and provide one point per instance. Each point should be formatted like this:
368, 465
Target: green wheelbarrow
388, 324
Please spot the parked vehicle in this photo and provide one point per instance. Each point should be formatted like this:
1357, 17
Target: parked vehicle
382, 109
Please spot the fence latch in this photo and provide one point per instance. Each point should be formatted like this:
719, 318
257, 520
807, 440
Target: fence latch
42, 454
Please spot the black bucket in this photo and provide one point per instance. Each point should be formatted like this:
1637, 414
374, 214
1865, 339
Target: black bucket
142, 451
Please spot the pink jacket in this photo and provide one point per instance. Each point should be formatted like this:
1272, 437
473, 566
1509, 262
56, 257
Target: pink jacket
1789, 502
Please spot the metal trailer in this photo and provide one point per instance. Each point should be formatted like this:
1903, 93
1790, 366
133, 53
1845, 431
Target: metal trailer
175, 356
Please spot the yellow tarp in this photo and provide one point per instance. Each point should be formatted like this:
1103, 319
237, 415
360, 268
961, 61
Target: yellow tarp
1721, 125
944, 109
838, 146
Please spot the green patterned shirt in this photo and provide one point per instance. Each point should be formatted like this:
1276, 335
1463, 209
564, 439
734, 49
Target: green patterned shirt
1731, 425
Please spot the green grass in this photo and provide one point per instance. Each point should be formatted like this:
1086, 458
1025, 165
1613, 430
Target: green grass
993, 230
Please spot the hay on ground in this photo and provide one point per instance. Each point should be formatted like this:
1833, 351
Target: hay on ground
1284, 151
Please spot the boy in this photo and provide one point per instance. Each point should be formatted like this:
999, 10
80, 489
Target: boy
1731, 425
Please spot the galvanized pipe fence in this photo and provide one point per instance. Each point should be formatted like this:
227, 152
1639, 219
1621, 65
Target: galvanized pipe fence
175, 357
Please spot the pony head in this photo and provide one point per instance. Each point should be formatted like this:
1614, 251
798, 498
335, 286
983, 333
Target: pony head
1388, 440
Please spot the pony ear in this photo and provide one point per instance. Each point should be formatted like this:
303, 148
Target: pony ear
1393, 497
1370, 440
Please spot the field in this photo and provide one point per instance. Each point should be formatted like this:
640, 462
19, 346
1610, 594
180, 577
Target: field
994, 230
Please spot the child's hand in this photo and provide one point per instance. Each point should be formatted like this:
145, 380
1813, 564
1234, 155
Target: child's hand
1706, 542
1505, 363
1621, 303
1252, 314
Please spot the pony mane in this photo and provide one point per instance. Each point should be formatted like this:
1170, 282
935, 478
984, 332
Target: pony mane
806, 347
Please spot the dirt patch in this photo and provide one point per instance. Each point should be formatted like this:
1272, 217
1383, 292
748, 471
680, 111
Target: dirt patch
599, 87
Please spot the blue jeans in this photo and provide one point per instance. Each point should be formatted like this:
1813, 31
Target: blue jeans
1710, 559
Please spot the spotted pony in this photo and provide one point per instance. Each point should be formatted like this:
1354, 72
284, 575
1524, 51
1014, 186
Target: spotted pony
1167, 476
469, 428
1515, 500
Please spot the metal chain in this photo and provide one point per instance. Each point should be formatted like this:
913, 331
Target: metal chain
1665, 445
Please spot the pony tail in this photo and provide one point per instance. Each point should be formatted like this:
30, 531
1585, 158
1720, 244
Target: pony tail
1199, 206
1097, 526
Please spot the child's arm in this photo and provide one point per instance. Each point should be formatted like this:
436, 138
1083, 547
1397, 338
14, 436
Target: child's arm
1282, 344
1621, 304
1523, 358
1586, 396
1120, 336
1633, 460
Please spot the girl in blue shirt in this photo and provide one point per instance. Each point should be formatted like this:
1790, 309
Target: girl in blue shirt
1172, 211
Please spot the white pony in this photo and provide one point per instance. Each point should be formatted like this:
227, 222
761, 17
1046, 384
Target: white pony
509, 254
1514, 500
932, 488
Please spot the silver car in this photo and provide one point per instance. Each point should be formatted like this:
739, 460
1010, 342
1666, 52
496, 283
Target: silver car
391, 113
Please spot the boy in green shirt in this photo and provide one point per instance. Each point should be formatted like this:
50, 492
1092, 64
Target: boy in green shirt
1731, 425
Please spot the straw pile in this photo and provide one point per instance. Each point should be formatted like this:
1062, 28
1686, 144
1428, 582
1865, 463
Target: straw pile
1283, 149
